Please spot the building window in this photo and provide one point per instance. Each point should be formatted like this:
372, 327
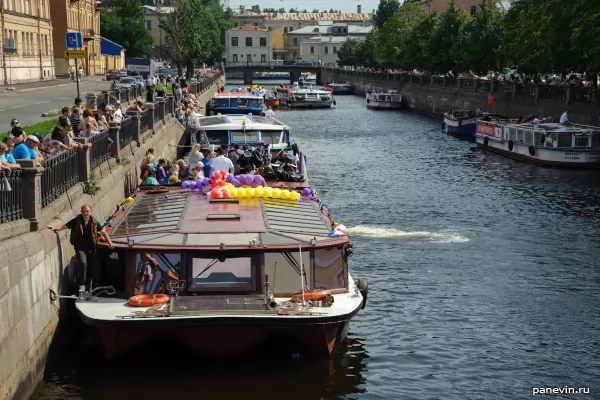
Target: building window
235, 58
248, 42
256, 24
312, 49
334, 50
285, 30
295, 41
291, 29
263, 58
326, 50
234, 40
148, 25
46, 44
263, 42
473, 10
24, 43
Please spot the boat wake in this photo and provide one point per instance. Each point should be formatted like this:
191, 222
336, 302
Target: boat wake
417, 236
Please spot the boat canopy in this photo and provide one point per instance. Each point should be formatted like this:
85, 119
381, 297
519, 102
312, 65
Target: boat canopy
239, 122
184, 219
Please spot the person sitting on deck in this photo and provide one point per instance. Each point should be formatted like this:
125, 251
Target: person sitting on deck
564, 118
198, 171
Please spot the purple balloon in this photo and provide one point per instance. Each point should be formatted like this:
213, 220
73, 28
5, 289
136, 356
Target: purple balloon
312, 191
185, 184
242, 179
258, 179
192, 185
236, 183
206, 181
199, 184
306, 192
249, 179
255, 184
229, 178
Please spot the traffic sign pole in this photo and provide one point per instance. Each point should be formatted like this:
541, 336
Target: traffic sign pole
77, 77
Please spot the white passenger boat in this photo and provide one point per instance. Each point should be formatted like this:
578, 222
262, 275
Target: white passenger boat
385, 101
551, 144
307, 98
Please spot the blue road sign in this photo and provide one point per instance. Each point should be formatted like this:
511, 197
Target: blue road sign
73, 40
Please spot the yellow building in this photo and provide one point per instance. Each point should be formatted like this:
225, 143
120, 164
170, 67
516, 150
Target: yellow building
27, 38
113, 54
76, 16
153, 15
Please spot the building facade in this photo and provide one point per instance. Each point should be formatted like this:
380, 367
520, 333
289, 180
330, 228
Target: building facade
27, 41
153, 15
469, 6
76, 16
248, 44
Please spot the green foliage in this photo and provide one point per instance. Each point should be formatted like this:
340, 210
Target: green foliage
385, 10
484, 39
91, 186
195, 31
123, 22
125, 161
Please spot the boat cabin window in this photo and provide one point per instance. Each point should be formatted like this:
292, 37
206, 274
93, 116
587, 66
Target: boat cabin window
528, 137
231, 274
512, 134
564, 140
581, 141
215, 137
283, 270
254, 102
519, 136
595, 139
156, 272
244, 136
329, 268
271, 137
221, 102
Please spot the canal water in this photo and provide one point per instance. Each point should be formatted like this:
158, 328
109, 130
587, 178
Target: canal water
484, 278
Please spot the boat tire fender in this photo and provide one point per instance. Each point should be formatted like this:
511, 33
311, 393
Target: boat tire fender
363, 288
148, 300
510, 145
532, 151
486, 141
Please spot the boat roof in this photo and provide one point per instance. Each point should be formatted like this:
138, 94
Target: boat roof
236, 95
179, 218
552, 127
239, 122
305, 90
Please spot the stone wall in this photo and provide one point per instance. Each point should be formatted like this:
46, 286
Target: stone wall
33, 263
424, 97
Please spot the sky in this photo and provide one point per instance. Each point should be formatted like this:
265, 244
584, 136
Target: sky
343, 5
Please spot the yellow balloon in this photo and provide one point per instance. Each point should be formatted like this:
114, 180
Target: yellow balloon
268, 192
241, 193
294, 195
233, 192
285, 194
250, 192
130, 200
259, 191
276, 193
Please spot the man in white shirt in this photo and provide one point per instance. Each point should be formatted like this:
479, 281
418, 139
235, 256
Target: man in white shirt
269, 113
564, 118
118, 115
221, 163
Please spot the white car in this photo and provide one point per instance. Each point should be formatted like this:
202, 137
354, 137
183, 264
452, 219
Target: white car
126, 82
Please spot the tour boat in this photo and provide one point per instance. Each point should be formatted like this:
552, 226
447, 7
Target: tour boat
307, 98
225, 277
385, 101
341, 88
237, 103
214, 131
550, 144
461, 123
271, 100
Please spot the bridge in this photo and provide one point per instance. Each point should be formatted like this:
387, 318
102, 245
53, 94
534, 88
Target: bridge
248, 68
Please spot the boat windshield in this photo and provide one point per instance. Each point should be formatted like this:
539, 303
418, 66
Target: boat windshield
215, 137
247, 136
254, 102
271, 137
221, 102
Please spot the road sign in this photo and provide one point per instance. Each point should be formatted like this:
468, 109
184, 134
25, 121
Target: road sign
73, 40
75, 53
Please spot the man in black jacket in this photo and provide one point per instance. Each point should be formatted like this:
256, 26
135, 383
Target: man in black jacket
84, 237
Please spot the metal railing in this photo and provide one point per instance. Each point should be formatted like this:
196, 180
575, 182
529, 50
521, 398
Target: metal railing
145, 118
11, 205
61, 173
157, 112
100, 150
126, 132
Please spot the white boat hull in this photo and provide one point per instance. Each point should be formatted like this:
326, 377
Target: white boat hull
384, 105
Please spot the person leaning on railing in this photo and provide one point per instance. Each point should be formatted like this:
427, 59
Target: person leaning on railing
84, 238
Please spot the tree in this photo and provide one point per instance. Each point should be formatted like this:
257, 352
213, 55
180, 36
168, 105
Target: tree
305, 10
347, 54
315, 11
447, 40
484, 38
281, 10
124, 22
385, 10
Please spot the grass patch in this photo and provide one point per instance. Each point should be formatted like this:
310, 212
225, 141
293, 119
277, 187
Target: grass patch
42, 127
53, 114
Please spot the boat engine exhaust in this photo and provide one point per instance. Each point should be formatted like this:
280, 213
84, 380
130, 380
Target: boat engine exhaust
269, 299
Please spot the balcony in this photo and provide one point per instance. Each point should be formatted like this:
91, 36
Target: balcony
88, 34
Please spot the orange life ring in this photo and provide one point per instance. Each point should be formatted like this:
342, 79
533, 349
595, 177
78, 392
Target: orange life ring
317, 295
147, 300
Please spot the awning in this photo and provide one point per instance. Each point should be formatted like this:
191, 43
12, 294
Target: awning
108, 48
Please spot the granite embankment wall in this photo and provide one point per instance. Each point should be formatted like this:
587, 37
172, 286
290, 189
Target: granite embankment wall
34, 262
434, 96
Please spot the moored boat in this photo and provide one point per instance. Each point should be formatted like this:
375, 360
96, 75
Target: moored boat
237, 103
385, 101
226, 277
461, 123
341, 88
307, 98
549, 144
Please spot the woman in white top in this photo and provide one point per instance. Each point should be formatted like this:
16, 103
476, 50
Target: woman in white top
195, 157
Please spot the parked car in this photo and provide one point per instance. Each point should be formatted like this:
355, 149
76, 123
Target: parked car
126, 82
113, 74
139, 80
302, 62
123, 72
164, 73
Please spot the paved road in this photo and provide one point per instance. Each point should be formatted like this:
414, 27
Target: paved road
28, 103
